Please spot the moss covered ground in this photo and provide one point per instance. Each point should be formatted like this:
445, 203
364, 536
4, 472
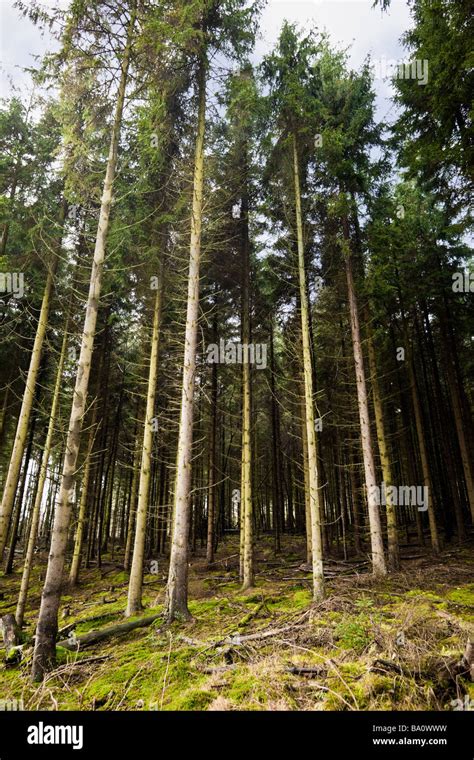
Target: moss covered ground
389, 644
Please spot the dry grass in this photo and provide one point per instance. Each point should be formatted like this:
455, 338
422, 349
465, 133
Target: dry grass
389, 644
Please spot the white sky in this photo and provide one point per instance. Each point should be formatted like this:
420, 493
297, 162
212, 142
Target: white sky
351, 23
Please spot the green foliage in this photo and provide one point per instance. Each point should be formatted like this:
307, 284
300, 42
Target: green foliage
434, 131
353, 633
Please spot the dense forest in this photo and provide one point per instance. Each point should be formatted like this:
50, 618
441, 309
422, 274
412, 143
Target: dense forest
236, 378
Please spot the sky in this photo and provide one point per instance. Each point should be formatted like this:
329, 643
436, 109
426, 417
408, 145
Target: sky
350, 23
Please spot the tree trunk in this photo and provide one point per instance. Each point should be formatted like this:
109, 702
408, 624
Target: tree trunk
276, 446
11, 482
134, 602
211, 476
81, 518
392, 535
246, 495
314, 496
133, 503
25, 578
45, 650
19, 500
435, 543
378, 558
177, 589
458, 421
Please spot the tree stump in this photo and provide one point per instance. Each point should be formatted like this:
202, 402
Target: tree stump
11, 638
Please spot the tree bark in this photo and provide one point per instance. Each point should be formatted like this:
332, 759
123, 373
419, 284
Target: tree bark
176, 605
376, 540
81, 518
27, 565
11, 482
134, 602
45, 652
314, 496
435, 542
246, 495
211, 477
106, 633
392, 534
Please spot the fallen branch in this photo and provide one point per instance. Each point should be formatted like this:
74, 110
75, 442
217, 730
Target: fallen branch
237, 639
317, 671
93, 637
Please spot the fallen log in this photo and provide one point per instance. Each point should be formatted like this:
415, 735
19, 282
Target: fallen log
88, 639
63, 632
66, 630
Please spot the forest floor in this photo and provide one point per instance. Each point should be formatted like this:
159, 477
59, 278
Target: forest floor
389, 644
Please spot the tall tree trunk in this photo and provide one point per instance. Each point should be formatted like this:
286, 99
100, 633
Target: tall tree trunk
314, 496
19, 500
177, 589
458, 418
376, 540
307, 502
25, 578
276, 446
11, 482
211, 476
427, 481
81, 518
45, 647
133, 501
134, 602
392, 534
246, 495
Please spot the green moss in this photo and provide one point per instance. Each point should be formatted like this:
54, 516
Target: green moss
428, 595
246, 688
353, 633
355, 687
249, 598
63, 655
122, 576
194, 699
297, 600
462, 595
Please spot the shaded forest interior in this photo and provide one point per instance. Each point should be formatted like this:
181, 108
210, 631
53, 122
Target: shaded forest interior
236, 384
